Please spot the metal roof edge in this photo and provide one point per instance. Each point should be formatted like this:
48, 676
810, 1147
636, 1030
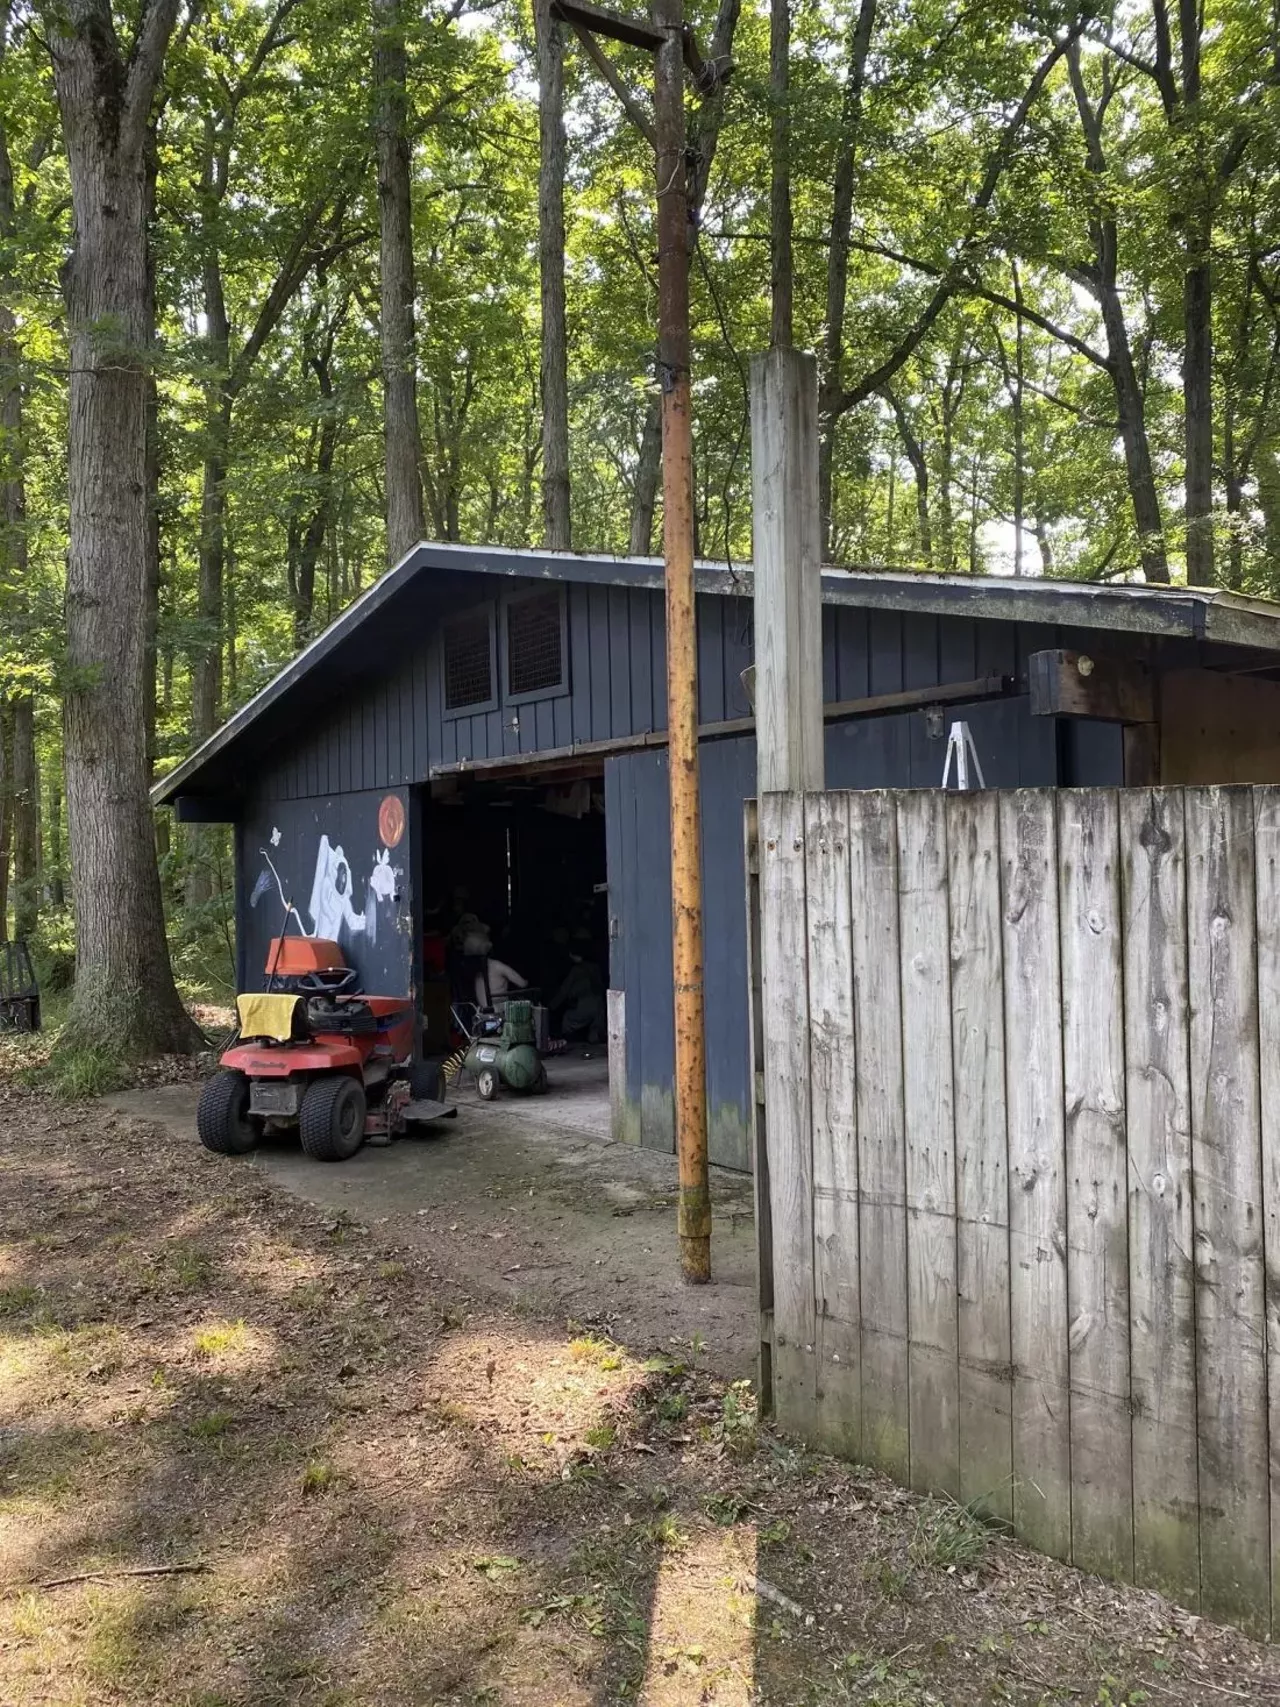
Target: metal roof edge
170, 785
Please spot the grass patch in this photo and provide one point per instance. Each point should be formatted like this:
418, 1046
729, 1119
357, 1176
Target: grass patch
737, 1428
220, 1338
211, 1426
317, 1478
192, 1266
600, 1352
664, 1531
948, 1536
17, 1299
74, 1075
726, 1509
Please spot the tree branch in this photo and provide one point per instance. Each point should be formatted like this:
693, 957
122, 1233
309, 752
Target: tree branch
299, 261
146, 61
951, 279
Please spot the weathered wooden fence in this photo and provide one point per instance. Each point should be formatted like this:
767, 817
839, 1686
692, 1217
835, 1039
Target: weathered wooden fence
1018, 1162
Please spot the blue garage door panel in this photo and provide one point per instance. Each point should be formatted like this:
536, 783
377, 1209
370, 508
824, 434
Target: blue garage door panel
332, 867
639, 856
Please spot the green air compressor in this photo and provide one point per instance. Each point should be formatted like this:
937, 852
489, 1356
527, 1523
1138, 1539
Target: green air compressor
508, 1055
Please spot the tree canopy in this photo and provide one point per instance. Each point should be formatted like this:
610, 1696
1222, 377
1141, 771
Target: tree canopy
1036, 250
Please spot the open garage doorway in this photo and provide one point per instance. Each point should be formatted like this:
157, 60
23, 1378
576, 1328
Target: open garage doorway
513, 874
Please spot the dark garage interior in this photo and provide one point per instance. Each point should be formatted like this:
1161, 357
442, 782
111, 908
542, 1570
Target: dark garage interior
525, 858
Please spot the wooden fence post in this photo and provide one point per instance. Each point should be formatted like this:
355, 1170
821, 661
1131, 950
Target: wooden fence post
787, 554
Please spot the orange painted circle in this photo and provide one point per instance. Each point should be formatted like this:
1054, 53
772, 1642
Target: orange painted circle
391, 820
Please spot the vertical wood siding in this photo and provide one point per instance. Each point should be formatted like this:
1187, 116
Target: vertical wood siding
388, 728
1024, 1162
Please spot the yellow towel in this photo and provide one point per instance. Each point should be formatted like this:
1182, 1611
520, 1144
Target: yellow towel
267, 1016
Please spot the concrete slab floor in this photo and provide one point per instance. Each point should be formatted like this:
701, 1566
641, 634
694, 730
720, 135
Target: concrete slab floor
527, 1202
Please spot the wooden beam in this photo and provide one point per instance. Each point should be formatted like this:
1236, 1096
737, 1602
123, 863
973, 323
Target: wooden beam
609, 71
587, 757
1076, 684
1141, 755
787, 548
636, 32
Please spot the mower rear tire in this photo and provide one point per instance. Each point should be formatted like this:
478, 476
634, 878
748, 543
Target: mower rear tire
487, 1083
331, 1121
222, 1115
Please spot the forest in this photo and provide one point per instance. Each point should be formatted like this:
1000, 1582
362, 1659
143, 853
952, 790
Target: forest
286, 285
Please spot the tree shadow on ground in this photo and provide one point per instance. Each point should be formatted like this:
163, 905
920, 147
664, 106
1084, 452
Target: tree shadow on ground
400, 1495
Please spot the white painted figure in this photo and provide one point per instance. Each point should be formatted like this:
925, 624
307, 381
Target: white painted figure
331, 906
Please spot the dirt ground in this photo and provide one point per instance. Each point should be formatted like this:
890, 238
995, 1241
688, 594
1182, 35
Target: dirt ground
258, 1446
523, 1202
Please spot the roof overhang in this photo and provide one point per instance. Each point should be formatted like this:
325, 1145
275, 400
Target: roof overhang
1203, 614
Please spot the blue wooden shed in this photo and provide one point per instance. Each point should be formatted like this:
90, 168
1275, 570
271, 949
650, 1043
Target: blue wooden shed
484, 727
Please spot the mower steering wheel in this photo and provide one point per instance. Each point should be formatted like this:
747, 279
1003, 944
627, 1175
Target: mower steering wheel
314, 984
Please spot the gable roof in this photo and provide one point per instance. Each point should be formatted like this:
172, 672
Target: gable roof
1194, 613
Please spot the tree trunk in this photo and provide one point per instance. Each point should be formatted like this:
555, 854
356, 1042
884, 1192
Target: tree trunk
151, 607
1131, 412
206, 673
1233, 481
230, 667
556, 520
644, 497
23, 807
206, 664
1197, 311
1130, 404
6, 811
1045, 544
973, 515
946, 505
1014, 381
26, 820
831, 379
311, 544
124, 999
920, 470
782, 272
406, 523
151, 591
57, 891
1197, 398
1266, 467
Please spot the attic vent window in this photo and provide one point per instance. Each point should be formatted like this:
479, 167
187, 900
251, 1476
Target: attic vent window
468, 660
535, 643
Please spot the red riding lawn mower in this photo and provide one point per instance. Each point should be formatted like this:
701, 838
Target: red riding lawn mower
315, 1053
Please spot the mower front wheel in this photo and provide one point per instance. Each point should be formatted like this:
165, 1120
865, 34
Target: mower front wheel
222, 1115
331, 1120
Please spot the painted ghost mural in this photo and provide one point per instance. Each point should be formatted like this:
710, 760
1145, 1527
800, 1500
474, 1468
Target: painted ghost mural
334, 867
331, 906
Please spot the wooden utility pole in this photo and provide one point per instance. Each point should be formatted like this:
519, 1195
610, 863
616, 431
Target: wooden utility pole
673, 48
682, 647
